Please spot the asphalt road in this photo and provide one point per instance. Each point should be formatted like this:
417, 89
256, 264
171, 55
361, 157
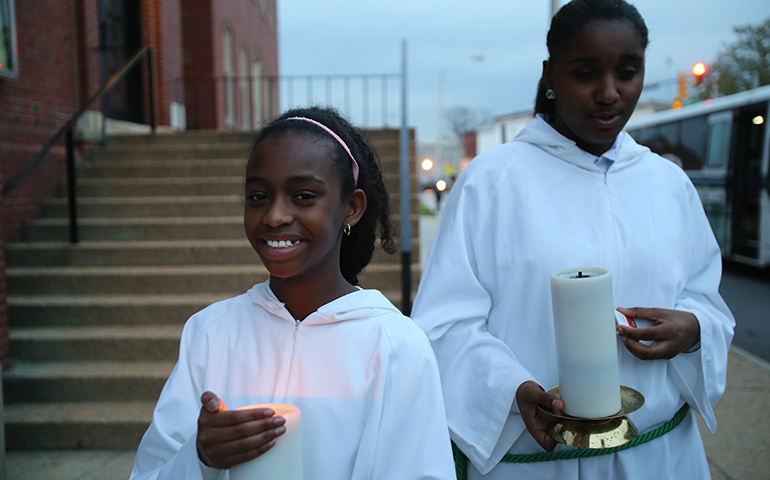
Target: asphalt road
747, 292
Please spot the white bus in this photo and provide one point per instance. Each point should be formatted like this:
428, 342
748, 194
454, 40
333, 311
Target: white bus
723, 146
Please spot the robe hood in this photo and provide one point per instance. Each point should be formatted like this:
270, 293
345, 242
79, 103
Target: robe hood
360, 304
541, 134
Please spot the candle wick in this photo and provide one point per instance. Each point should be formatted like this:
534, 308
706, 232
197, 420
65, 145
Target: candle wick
580, 274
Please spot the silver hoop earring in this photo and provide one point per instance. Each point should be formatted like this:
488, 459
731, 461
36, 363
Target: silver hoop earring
347, 229
550, 94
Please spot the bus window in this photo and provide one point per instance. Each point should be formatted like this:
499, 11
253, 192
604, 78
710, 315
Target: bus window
646, 136
746, 184
693, 143
720, 135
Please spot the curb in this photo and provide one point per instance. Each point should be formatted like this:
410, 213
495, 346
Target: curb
750, 358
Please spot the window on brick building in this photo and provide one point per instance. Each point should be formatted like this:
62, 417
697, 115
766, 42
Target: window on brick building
256, 91
227, 71
244, 90
8, 51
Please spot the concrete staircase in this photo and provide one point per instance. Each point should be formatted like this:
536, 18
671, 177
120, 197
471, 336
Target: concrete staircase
95, 327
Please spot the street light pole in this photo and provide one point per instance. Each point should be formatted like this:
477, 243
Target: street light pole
554, 7
440, 103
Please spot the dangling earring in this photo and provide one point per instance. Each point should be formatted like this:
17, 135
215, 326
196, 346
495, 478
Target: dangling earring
347, 229
550, 94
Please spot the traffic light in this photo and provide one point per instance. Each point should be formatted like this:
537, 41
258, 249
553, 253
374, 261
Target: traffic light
698, 71
681, 91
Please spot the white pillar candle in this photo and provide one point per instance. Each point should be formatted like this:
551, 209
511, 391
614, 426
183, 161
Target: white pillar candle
284, 460
586, 349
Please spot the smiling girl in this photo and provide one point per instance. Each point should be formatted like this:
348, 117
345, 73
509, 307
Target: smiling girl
574, 190
363, 375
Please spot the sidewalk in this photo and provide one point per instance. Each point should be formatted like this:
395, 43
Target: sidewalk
740, 450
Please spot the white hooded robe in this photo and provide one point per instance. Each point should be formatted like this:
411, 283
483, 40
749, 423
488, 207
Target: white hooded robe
526, 209
363, 376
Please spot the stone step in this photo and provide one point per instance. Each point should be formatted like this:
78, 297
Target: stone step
163, 168
48, 344
196, 151
193, 186
60, 310
135, 206
208, 137
68, 425
176, 252
121, 310
387, 151
159, 228
171, 279
157, 187
218, 137
166, 206
85, 381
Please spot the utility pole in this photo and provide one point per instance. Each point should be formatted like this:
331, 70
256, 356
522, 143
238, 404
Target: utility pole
405, 186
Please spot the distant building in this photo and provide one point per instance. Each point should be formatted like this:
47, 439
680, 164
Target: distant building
230, 62
503, 129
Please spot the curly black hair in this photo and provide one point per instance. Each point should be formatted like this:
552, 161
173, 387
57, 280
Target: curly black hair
357, 248
570, 20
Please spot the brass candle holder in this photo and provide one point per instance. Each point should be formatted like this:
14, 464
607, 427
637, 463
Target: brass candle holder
605, 432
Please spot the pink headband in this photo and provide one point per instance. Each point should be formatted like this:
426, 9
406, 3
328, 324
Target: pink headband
336, 137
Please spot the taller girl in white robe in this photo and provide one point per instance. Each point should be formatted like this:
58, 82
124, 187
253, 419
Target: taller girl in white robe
538, 204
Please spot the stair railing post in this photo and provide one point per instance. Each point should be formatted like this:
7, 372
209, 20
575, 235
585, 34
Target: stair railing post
71, 194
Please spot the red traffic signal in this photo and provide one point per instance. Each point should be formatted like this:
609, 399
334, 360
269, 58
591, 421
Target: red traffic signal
698, 70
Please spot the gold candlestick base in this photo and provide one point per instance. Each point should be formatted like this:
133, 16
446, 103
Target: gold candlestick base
604, 432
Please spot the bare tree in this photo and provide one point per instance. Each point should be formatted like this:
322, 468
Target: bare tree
743, 64
462, 120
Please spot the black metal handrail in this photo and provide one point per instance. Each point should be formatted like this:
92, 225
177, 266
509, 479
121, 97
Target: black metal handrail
66, 131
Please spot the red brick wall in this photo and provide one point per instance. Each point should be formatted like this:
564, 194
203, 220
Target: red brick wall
204, 22
87, 16
198, 63
162, 27
35, 105
32, 108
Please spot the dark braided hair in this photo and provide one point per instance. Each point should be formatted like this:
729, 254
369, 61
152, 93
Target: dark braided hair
358, 247
572, 18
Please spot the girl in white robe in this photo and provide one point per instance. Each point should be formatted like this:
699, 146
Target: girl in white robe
574, 190
363, 376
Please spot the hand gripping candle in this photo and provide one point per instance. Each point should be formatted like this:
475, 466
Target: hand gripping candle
586, 348
284, 460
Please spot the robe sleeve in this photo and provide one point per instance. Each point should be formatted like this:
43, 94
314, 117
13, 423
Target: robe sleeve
479, 372
701, 376
413, 439
168, 448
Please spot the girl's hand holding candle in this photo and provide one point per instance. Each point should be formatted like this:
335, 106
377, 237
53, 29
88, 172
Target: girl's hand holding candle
228, 438
672, 332
528, 396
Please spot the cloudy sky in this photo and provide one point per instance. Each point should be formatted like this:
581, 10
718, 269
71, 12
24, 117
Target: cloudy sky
334, 37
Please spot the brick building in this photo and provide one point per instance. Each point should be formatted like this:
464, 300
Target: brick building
55, 54
230, 62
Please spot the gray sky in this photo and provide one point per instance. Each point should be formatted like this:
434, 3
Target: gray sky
364, 36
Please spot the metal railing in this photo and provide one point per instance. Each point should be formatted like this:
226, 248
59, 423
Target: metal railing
66, 131
367, 100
